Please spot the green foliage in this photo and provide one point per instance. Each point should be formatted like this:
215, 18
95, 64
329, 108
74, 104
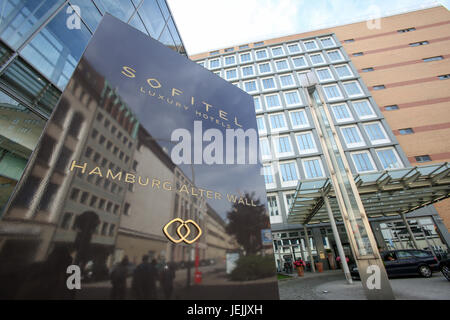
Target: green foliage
246, 223
253, 267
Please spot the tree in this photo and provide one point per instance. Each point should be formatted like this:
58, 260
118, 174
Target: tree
246, 223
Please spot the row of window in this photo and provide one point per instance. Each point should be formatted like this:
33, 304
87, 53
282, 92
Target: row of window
299, 119
313, 167
421, 43
299, 61
104, 228
292, 48
104, 183
114, 130
306, 142
292, 98
94, 201
341, 71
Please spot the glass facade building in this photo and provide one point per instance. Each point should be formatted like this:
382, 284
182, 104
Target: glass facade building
290, 147
41, 43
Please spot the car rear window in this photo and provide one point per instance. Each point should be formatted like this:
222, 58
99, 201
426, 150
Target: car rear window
420, 254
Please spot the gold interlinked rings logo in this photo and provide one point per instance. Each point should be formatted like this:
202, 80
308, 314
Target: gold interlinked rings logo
183, 225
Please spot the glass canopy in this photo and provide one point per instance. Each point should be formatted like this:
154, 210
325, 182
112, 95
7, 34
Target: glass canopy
387, 193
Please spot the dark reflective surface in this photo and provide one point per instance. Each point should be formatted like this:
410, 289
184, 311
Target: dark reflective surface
102, 194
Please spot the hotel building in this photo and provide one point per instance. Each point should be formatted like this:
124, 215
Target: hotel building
386, 86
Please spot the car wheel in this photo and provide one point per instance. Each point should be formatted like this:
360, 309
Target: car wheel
446, 272
425, 271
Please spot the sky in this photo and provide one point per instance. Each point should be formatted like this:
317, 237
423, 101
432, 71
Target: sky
206, 25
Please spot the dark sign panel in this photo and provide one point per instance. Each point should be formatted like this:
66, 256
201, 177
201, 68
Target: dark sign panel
145, 184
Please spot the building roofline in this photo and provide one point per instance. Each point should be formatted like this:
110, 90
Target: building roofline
324, 30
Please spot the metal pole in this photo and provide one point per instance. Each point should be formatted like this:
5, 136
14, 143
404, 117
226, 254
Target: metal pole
338, 242
313, 267
426, 240
362, 241
411, 234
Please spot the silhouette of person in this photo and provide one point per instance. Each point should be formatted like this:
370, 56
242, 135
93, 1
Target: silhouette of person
166, 279
47, 280
119, 279
144, 279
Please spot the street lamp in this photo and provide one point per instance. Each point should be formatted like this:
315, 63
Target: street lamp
370, 266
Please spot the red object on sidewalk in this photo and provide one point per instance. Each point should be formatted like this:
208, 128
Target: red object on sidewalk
198, 277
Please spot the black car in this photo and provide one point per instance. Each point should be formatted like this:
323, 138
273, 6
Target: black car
405, 263
444, 266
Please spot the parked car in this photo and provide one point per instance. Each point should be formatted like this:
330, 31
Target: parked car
444, 266
406, 263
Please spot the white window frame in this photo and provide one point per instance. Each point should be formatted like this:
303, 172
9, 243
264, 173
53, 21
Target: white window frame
315, 54
353, 145
379, 141
218, 73
293, 105
307, 125
373, 115
278, 129
340, 54
269, 89
256, 55
358, 85
260, 102
201, 63
267, 105
292, 183
248, 66
272, 185
280, 60
300, 67
324, 38
263, 131
348, 68
315, 44
228, 56
329, 71
320, 163
226, 76
289, 85
370, 159
277, 47
266, 72
395, 154
278, 218
336, 98
348, 110
294, 44
275, 144
256, 90
285, 194
236, 84
211, 60
245, 53
308, 151
265, 157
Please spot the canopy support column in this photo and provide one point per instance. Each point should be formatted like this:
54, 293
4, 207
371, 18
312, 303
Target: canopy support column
411, 234
313, 267
338, 242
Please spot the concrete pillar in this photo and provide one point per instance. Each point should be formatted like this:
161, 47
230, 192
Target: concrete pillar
308, 246
338, 242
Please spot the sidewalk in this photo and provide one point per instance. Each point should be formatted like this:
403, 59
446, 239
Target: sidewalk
309, 275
